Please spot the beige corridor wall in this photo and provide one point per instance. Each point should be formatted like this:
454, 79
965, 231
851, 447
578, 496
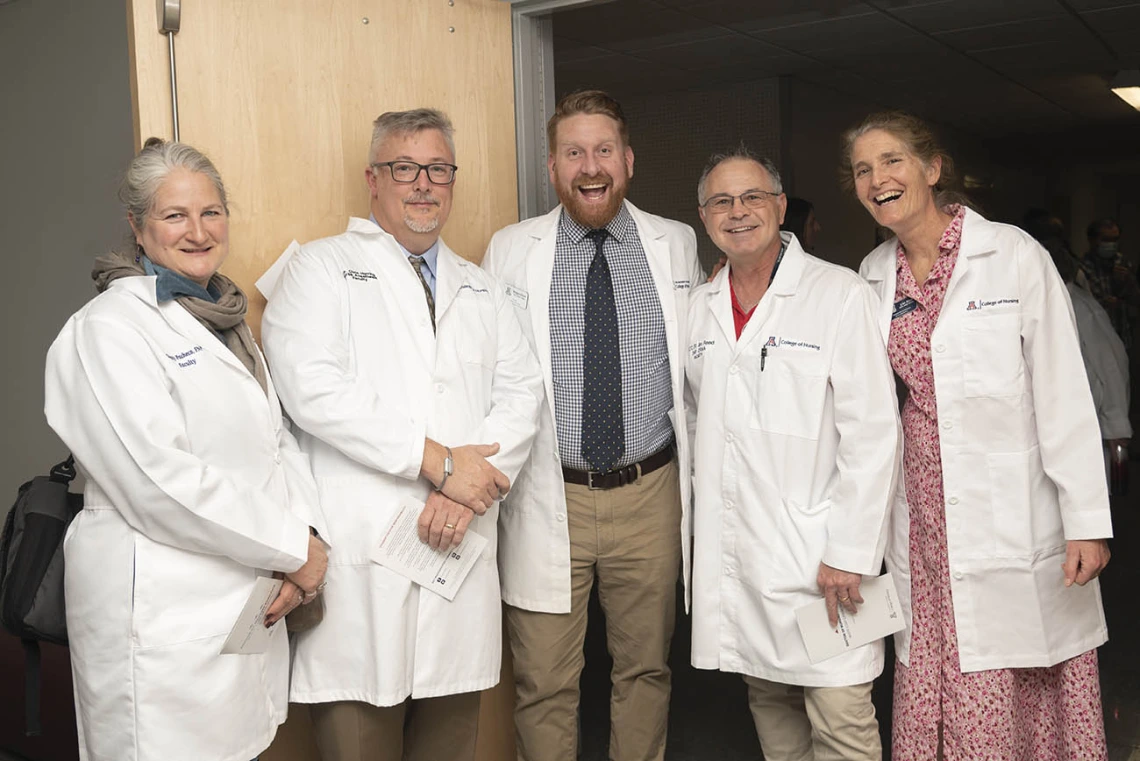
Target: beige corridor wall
282, 95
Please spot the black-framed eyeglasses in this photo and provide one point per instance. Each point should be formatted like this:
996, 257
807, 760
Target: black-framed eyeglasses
408, 171
722, 203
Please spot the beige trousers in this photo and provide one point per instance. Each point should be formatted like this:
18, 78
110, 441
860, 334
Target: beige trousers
432, 729
814, 723
629, 539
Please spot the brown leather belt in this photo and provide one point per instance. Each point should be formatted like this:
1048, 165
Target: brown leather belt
620, 476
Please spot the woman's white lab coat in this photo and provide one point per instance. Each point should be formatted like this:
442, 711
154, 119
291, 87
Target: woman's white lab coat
348, 335
193, 486
797, 439
1021, 451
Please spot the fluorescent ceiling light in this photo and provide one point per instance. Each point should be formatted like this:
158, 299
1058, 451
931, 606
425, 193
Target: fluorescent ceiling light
1126, 85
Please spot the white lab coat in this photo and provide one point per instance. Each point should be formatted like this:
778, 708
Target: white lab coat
348, 335
1106, 363
534, 554
1021, 451
193, 483
795, 461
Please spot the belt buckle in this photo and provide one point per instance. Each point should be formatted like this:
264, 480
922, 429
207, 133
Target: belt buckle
590, 480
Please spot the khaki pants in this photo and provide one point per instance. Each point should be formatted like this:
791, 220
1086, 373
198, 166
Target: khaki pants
629, 538
814, 723
431, 729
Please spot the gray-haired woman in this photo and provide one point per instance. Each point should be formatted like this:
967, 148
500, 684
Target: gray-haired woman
195, 487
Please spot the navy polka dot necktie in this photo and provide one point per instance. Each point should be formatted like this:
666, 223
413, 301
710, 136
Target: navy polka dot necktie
603, 430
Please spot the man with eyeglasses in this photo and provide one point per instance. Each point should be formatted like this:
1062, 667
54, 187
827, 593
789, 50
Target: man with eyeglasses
795, 455
601, 288
416, 395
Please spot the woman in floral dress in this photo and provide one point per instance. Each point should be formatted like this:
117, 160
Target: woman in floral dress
1002, 471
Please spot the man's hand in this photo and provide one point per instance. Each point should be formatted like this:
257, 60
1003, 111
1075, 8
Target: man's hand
838, 588
1084, 560
475, 482
443, 522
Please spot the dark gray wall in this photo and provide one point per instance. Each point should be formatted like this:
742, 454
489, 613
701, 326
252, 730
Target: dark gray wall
65, 136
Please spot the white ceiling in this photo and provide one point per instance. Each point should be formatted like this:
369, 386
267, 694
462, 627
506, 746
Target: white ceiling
990, 67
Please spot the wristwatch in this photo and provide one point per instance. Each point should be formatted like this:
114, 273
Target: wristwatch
448, 469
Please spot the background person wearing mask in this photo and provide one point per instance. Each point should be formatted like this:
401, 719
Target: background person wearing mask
1111, 278
1003, 472
406, 371
601, 288
194, 486
795, 464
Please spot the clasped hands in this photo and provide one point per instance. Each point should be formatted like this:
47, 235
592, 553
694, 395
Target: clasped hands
473, 486
302, 586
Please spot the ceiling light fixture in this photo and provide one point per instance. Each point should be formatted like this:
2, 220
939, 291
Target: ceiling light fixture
1126, 85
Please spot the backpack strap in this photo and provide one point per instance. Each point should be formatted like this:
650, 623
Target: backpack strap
64, 472
31, 687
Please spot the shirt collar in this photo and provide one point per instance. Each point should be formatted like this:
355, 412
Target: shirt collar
430, 257
950, 241
619, 227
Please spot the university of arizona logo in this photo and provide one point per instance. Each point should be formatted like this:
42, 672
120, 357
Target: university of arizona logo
971, 306
771, 341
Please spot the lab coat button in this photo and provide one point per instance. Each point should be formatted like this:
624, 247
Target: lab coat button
439, 388
940, 348
734, 369
728, 505
560, 517
958, 575
729, 438
947, 424
953, 500
277, 458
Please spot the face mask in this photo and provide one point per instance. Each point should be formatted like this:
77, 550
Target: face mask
1106, 249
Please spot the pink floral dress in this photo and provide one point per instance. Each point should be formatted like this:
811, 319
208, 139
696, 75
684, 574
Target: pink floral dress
1026, 714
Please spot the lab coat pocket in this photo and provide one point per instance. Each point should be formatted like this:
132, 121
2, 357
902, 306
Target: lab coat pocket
788, 401
992, 363
802, 535
1017, 482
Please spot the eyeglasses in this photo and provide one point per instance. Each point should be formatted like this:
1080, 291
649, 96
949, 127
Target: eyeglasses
752, 199
409, 171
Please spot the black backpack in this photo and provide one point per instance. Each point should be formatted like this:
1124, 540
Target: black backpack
31, 572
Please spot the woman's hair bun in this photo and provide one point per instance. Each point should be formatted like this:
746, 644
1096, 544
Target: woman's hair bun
153, 142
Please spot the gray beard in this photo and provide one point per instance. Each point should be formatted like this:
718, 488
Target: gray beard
421, 227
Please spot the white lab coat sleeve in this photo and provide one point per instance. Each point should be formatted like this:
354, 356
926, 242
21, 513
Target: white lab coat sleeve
303, 498
1103, 351
107, 398
1068, 433
308, 352
862, 387
516, 393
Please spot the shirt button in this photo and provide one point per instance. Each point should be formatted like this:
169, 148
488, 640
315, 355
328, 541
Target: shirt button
560, 517
953, 500
940, 348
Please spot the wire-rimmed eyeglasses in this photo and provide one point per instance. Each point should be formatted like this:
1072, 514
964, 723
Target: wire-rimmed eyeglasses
722, 203
408, 171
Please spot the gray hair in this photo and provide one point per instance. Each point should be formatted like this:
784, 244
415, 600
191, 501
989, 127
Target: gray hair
409, 123
741, 152
150, 168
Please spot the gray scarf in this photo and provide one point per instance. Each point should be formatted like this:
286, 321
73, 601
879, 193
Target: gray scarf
226, 318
